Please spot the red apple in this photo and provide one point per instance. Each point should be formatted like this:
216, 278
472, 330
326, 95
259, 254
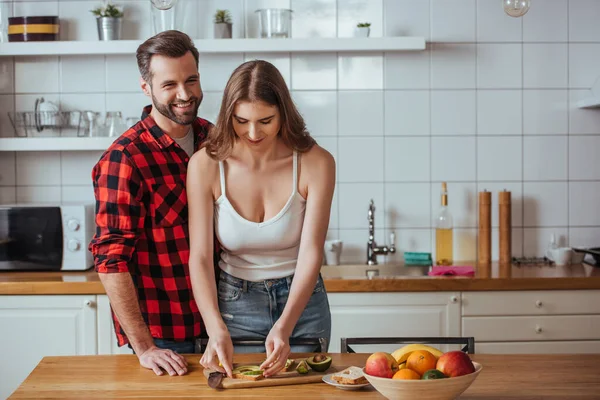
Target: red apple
381, 364
455, 363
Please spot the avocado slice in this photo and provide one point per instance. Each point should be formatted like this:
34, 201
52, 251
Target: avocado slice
302, 367
244, 369
319, 362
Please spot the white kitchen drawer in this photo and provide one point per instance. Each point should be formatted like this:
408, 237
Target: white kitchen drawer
542, 302
563, 327
561, 347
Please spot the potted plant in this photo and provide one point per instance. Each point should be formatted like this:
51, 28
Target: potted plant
362, 29
108, 20
223, 24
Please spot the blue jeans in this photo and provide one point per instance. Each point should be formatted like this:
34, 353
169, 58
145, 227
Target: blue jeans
250, 309
178, 347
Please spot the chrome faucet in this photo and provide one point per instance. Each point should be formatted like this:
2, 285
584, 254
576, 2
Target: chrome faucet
372, 249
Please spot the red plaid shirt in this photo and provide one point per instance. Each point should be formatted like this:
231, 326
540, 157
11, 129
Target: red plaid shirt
141, 219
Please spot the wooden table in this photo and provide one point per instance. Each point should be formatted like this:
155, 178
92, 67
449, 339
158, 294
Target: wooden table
521, 377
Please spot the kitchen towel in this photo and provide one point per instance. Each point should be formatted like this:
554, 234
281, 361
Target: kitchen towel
459, 271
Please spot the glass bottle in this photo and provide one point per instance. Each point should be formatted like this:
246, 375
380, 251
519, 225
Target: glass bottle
444, 232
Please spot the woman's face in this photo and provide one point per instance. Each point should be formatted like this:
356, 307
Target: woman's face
256, 123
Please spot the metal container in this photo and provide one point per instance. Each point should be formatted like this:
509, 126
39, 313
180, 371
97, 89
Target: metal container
274, 22
109, 28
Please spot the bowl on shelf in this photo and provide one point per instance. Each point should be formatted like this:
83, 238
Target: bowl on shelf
434, 389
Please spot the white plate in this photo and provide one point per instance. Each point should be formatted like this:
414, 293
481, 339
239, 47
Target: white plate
327, 379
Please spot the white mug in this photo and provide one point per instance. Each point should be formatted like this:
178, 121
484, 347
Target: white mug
560, 255
333, 251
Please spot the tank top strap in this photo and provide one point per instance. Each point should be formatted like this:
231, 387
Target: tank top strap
295, 169
222, 178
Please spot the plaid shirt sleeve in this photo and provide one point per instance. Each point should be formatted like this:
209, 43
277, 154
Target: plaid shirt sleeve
119, 212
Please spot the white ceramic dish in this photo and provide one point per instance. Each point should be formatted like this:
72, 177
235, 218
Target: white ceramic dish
327, 379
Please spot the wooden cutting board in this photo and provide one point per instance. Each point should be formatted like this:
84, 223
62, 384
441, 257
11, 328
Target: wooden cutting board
283, 378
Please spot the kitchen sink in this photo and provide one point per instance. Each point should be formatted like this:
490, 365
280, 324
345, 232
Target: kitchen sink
362, 271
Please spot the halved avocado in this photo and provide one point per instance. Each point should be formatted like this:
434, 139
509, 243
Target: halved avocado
319, 362
302, 367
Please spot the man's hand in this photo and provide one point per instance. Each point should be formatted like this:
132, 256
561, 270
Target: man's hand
155, 359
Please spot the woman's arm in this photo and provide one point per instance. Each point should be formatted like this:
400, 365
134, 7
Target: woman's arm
200, 177
318, 170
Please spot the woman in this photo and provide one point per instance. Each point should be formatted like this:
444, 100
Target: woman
268, 187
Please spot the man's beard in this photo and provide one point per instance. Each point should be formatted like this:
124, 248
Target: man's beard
166, 110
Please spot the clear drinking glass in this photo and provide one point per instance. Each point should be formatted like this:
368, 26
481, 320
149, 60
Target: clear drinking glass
274, 22
114, 124
163, 19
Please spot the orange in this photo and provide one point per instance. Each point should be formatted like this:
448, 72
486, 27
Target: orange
421, 361
406, 373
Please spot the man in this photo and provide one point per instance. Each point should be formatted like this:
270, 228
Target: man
141, 245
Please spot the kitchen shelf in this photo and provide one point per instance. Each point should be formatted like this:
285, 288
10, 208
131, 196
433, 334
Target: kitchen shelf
313, 45
55, 144
589, 103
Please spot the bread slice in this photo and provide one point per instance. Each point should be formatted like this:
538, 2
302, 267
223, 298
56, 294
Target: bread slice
350, 376
248, 377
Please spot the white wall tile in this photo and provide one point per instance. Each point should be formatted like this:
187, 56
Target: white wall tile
499, 112
7, 105
36, 74
494, 25
407, 159
76, 20
584, 162
349, 13
360, 159
408, 240
582, 121
8, 175
545, 204
38, 168
453, 21
545, 112
516, 243
215, 69
406, 18
584, 237
499, 66
122, 74
8, 194
206, 10
406, 205
584, 64
583, 203
35, 8
453, 66
547, 23
83, 101
516, 199
210, 106
462, 202
358, 71
76, 166
130, 104
537, 240
545, 158
453, 159
252, 17
78, 194
354, 199
281, 61
82, 74
138, 20
314, 18
314, 71
499, 158
319, 110
354, 250
38, 194
583, 20
7, 76
26, 102
453, 112
366, 104
538, 72
407, 70
465, 245
407, 113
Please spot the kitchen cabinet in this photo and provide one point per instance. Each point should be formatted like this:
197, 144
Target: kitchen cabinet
37, 326
533, 321
393, 315
107, 341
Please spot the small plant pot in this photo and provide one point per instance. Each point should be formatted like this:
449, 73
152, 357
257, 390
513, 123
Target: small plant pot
109, 28
223, 31
362, 32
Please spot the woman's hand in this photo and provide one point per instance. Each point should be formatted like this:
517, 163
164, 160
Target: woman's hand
278, 351
219, 350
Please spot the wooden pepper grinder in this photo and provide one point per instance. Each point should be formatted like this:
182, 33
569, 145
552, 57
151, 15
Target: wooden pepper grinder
505, 221
485, 228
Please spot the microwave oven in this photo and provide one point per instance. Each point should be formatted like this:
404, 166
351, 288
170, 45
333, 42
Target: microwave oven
46, 237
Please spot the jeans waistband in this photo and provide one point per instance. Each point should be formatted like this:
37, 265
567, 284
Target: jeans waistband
244, 284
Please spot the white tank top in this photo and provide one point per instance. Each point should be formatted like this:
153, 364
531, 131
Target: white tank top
256, 251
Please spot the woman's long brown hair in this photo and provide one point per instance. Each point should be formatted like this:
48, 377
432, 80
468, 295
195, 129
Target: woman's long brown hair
252, 81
